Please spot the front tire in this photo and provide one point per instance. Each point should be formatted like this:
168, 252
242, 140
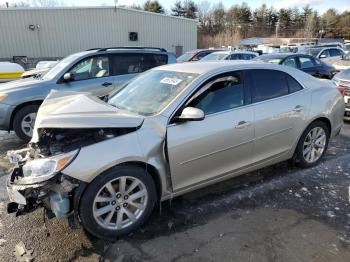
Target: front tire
313, 144
117, 202
23, 122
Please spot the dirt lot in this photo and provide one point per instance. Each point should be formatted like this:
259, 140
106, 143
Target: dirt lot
280, 213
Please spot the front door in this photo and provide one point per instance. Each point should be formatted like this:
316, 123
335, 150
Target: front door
200, 151
92, 75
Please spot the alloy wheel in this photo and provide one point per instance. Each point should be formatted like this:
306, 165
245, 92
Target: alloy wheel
314, 144
120, 203
27, 124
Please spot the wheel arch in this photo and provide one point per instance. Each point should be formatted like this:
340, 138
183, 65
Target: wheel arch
319, 118
152, 170
19, 107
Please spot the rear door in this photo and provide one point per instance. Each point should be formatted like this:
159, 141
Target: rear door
335, 55
92, 75
200, 151
280, 107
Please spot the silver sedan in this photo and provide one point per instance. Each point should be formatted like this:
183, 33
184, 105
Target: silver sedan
169, 131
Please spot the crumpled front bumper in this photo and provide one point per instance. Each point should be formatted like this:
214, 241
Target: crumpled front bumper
25, 198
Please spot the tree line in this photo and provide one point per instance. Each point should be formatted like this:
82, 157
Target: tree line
241, 21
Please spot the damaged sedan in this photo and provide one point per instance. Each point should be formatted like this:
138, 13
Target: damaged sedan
173, 129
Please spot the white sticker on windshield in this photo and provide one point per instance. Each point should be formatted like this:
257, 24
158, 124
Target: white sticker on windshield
171, 81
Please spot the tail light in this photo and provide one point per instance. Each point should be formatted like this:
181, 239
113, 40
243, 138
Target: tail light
341, 90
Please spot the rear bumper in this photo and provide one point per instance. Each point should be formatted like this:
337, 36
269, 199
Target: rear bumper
5, 116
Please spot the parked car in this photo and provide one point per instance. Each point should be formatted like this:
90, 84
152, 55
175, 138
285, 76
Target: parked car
230, 55
329, 55
10, 71
306, 63
343, 64
97, 71
41, 68
169, 131
196, 55
342, 80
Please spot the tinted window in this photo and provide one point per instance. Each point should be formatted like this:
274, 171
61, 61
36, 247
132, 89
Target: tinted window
201, 55
267, 84
335, 52
235, 57
92, 67
127, 64
305, 62
290, 61
293, 85
222, 95
153, 60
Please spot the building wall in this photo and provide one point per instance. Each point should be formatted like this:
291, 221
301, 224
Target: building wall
62, 31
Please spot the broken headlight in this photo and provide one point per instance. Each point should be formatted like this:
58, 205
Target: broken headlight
44, 168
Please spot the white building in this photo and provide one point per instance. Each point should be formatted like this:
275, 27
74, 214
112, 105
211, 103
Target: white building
37, 33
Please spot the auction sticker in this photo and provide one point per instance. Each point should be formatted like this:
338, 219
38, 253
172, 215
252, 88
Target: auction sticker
171, 81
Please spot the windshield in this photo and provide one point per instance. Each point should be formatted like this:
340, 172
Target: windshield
313, 51
185, 57
214, 56
53, 72
151, 92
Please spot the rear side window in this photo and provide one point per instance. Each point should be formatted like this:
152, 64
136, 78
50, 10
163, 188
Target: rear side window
235, 57
124, 64
267, 84
293, 85
335, 52
153, 60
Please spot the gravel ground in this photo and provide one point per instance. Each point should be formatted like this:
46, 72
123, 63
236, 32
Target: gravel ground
280, 213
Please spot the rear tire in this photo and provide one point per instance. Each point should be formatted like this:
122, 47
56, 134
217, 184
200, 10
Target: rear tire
23, 121
312, 145
108, 210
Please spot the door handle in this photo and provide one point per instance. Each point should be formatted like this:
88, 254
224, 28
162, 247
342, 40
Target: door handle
298, 109
105, 84
242, 124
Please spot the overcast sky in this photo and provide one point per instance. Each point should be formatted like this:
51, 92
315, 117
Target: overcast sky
320, 5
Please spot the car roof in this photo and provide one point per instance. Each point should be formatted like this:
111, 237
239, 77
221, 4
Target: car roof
206, 67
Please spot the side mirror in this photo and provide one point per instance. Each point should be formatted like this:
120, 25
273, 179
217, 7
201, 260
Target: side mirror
68, 77
191, 114
323, 56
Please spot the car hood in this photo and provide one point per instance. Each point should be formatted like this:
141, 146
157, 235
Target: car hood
16, 85
79, 110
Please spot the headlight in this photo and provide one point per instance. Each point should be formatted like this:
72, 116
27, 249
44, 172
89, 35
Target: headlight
42, 169
2, 97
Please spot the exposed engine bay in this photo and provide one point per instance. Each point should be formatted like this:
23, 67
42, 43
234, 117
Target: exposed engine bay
37, 181
56, 141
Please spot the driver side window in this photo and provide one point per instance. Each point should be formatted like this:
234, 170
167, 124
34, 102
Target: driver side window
92, 67
221, 95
